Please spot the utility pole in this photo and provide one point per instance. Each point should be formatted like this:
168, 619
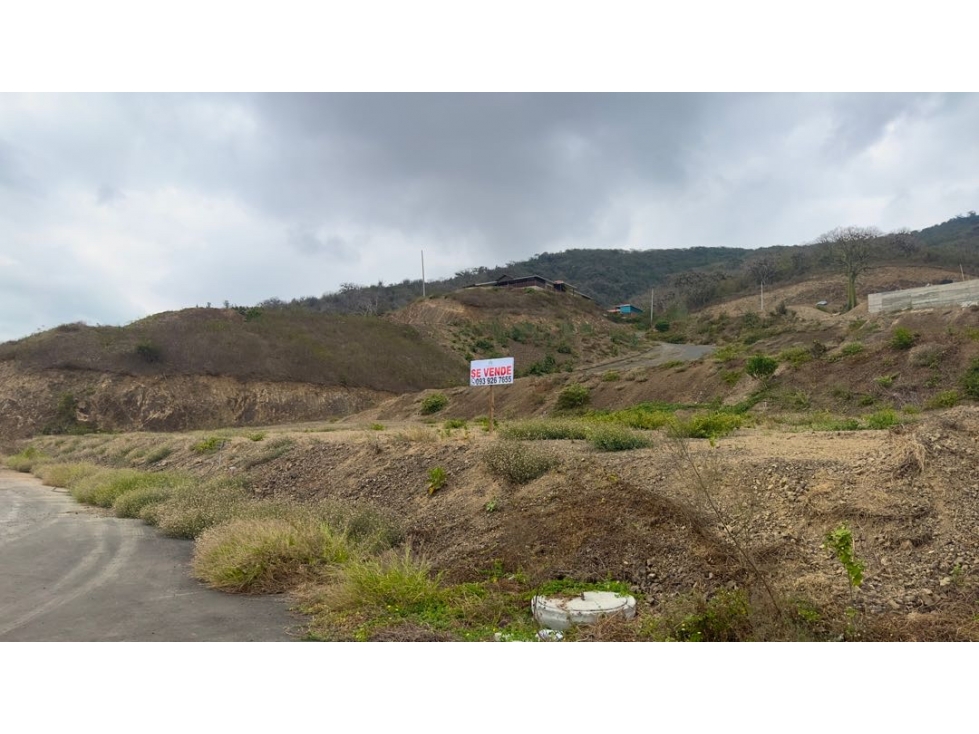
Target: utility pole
651, 302
763, 296
423, 273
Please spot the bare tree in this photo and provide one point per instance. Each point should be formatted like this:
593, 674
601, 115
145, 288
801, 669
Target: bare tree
851, 247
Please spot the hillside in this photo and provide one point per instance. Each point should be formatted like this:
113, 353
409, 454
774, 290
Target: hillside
207, 367
684, 279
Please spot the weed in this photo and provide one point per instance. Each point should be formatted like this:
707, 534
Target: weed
944, 399
796, 356
851, 348
882, 419
455, 423
760, 367
970, 380
731, 377
545, 430
266, 555
573, 396
903, 338
610, 437
208, 445
64, 475
436, 479
26, 460
258, 436
725, 617
132, 502
395, 584
707, 425
610, 376
885, 381
518, 463
434, 403
492, 505
840, 542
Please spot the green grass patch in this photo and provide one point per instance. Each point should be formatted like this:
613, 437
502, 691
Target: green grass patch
434, 403
611, 437
157, 455
708, 425
63, 474
133, 502
944, 399
104, 486
209, 445
851, 348
795, 356
545, 430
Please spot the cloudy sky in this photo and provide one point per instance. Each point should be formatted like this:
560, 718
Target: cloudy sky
113, 207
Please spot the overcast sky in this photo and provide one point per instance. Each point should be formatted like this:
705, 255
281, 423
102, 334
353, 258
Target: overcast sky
113, 207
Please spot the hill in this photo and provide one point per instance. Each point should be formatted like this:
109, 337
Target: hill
684, 279
201, 367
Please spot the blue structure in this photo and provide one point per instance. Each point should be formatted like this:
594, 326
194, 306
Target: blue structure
625, 308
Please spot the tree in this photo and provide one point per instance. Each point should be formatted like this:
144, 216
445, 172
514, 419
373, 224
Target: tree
851, 248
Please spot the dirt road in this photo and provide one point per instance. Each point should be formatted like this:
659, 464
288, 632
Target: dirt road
69, 573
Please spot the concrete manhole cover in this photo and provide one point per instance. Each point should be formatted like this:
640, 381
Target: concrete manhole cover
587, 608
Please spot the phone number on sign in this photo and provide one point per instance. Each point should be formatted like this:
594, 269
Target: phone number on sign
479, 381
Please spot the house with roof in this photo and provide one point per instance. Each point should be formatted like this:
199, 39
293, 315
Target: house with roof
625, 309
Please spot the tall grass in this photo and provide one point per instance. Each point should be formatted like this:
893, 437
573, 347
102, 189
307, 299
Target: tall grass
266, 555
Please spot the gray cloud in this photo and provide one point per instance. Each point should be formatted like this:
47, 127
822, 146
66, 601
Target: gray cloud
165, 201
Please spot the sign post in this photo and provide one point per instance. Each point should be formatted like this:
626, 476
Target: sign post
491, 372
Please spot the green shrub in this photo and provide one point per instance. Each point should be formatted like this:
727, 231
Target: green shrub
882, 419
970, 380
902, 338
851, 348
104, 486
546, 366
545, 430
944, 399
573, 396
518, 463
885, 381
610, 376
257, 436
192, 509
760, 367
796, 356
394, 584
437, 478
708, 425
725, 617
454, 423
434, 403
610, 437
208, 445
662, 326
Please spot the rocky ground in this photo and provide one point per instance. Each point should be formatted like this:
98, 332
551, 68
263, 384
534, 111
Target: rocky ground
678, 517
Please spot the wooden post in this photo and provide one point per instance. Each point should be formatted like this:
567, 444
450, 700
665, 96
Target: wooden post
491, 410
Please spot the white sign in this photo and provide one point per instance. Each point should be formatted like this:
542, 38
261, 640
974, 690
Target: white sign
491, 372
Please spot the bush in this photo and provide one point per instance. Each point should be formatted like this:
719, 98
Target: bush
266, 555
902, 338
944, 399
208, 445
518, 463
192, 509
970, 380
149, 352
26, 460
65, 475
437, 478
617, 438
573, 396
851, 348
662, 326
760, 367
882, 419
394, 584
104, 486
708, 425
434, 403
545, 430
131, 503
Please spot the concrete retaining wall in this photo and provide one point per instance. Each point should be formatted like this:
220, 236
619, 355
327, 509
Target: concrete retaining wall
932, 296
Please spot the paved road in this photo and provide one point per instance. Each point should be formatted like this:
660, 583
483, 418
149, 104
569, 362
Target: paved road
70, 573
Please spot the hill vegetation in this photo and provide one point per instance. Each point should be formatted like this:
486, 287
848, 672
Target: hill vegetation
683, 279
